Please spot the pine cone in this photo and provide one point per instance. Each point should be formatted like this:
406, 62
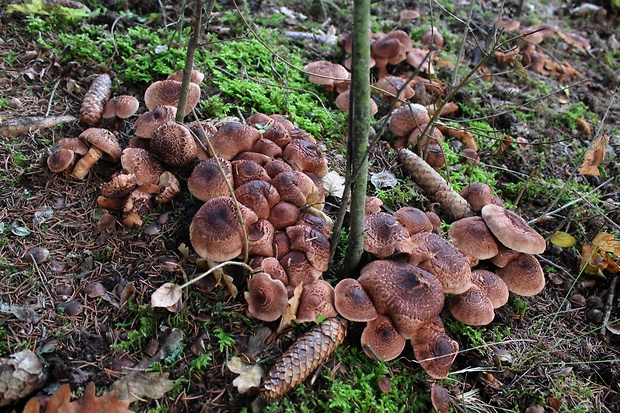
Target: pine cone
20, 374
95, 99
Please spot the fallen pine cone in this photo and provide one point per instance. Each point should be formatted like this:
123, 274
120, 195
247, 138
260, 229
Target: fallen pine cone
95, 99
303, 357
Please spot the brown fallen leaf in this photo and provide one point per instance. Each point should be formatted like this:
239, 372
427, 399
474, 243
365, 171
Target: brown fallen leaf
250, 375
594, 156
167, 296
150, 384
88, 403
291, 309
597, 255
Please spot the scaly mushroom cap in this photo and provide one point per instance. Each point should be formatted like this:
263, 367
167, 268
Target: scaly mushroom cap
311, 242
203, 131
316, 299
206, 180
260, 196
273, 168
266, 297
234, 138
408, 294
442, 259
167, 92
259, 158
473, 307
267, 147
283, 215
434, 349
472, 236
135, 206
260, 238
390, 85
414, 220
435, 156
385, 236
352, 302
298, 133
142, 164
326, 73
245, 171
315, 222
153, 119
380, 339
276, 133
306, 157
215, 231
434, 218
299, 269
408, 117
512, 230
122, 107
196, 77
119, 186
281, 244
272, 266
174, 144
74, 144
295, 187
492, 286
105, 141
373, 205
169, 187
523, 275
60, 160
282, 120
478, 195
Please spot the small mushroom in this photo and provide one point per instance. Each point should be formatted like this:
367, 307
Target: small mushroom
432, 39
478, 194
326, 73
207, 181
473, 307
295, 187
389, 87
153, 119
103, 144
60, 160
135, 206
352, 302
266, 297
380, 339
260, 196
317, 299
472, 236
167, 92
196, 76
299, 269
414, 220
306, 157
407, 118
74, 144
492, 286
311, 242
245, 170
122, 107
119, 186
272, 266
512, 230
523, 275
169, 187
260, 238
283, 215
385, 236
434, 349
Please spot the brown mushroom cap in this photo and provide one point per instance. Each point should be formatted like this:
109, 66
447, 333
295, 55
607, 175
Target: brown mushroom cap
434, 349
60, 160
169, 187
372, 205
207, 181
196, 77
281, 244
385, 236
174, 144
440, 398
433, 135
442, 259
276, 166
119, 186
215, 231
283, 215
153, 119
260, 238
299, 269
326, 73
381, 340
504, 256
142, 164
315, 222
295, 187
408, 117
306, 157
512, 230
167, 92
316, 299
523, 275
432, 39
352, 302
272, 266
472, 236
408, 294
203, 131
416, 56
267, 147
135, 206
390, 85
245, 170
74, 144
478, 194
234, 138
414, 220
266, 297
105, 141
311, 242
260, 196
473, 307
434, 218
492, 286
122, 107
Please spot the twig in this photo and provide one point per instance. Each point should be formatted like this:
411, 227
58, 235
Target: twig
49, 102
215, 268
609, 304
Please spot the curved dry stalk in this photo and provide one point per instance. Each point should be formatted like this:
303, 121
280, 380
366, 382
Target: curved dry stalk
437, 189
214, 269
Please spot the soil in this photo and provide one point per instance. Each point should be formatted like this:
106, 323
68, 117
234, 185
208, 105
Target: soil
77, 334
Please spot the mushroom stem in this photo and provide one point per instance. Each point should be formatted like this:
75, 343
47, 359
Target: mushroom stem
86, 162
454, 205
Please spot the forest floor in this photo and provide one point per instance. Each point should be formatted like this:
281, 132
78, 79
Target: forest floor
84, 305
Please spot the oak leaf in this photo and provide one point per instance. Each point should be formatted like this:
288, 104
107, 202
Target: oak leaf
88, 403
594, 156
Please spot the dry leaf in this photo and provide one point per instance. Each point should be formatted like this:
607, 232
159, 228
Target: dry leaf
562, 239
88, 403
151, 385
167, 296
249, 375
291, 309
464, 136
333, 184
595, 256
594, 156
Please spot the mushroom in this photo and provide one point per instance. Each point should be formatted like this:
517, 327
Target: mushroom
103, 144
408, 117
267, 147
352, 302
472, 236
298, 133
174, 144
492, 286
245, 170
512, 230
74, 144
295, 187
167, 92
203, 131
414, 220
389, 87
478, 194
311, 242
169, 187
473, 307
440, 398
281, 244
318, 223
442, 259
266, 297
343, 102
272, 266
504, 256
283, 215
271, 129
432, 137
234, 138
432, 39
119, 186
434, 349
260, 196
435, 156
153, 119
196, 76
259, 158
215, 231
385, 236
317, 299
408, 294
380, 340
306, 157
326, 73
122, 107
276, 166
434, 218
299, 269
523, 275
372, 205
260, 238
136, 205
60, 160
207, 181
419, 58
390, 49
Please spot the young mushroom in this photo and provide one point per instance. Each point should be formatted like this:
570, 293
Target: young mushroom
512, 230
352, 302
266, 297
167, 92
434, 349
103, 144
380, 340
60, 160
317, 299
